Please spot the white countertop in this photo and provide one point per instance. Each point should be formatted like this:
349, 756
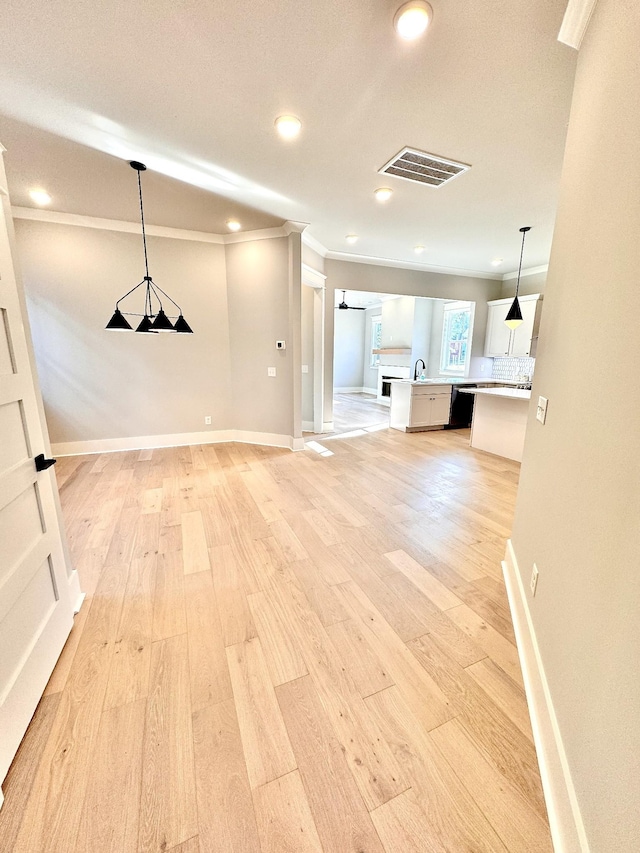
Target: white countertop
510, 393
458, 381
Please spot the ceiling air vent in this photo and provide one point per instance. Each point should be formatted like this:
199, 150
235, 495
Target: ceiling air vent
423, 168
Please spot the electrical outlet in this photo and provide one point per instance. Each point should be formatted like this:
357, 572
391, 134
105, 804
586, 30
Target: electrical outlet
533, 583
305, 368
271, 371
541, 411
207, 420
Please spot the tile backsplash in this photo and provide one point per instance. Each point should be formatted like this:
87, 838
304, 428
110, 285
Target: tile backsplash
512, 368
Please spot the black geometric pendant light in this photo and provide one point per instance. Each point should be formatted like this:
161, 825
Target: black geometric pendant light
154, 319
514, 317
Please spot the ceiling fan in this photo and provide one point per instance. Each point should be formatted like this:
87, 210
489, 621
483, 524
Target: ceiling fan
344, 307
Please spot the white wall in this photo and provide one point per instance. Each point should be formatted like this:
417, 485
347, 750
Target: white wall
397, 322
578, 506
369, 374
348, 355
103, 385
259, 315
100, 384
534, 283
422, 320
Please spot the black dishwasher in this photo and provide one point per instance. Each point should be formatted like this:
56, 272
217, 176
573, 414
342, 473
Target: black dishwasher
461, 410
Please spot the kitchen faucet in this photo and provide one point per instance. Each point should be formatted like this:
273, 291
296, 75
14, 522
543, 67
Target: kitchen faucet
415, 369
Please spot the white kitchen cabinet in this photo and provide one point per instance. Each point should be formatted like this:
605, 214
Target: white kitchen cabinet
501, 341
419, 407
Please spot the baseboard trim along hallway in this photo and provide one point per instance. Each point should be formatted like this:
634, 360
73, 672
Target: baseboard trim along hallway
178, 439
565, 820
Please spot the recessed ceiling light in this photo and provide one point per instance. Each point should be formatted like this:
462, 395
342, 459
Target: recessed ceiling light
412, 19
288, 126
383, 194
419, 250
233, 225
40, 196
496, 262
351, 238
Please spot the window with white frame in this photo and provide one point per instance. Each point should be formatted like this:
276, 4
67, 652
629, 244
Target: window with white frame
376, 339
456, 337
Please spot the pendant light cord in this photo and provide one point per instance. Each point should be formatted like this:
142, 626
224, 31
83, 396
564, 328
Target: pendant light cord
524, 234
144, 236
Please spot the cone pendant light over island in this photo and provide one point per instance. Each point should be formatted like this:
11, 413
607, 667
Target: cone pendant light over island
153, 320
514, 315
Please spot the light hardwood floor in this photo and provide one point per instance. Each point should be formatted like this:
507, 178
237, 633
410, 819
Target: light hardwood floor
285, 653
358, 411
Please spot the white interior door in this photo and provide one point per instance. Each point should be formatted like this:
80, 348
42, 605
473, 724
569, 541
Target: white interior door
38, 590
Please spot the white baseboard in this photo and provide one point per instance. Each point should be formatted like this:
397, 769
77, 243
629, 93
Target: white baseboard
350, 389
373, 391
147, 442
308, 426
565, 820
327, 426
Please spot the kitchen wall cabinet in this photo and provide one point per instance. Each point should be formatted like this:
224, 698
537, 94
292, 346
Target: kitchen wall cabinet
419, 407
502, 342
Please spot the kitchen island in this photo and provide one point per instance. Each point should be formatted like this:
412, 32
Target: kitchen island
499, 420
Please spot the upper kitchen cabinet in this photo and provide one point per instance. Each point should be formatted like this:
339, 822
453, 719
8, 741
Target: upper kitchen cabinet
501, 341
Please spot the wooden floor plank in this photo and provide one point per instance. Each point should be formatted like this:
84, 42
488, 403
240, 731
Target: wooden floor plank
19, 780
282, 654
235, 616
169, 615
429, 585
506, 694
368, 756
452, 819
52, 813
521, 828
194, 543
225, 810
129, 673
365, 669
110, 815
403, 826
285, 824
489, 727
267, 750
208, 670
168, 813
339, 813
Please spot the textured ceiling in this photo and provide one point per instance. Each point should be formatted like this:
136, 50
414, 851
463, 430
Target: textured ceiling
192, 89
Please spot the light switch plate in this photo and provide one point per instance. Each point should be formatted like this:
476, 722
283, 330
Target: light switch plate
271, 371
305, 368
541, 411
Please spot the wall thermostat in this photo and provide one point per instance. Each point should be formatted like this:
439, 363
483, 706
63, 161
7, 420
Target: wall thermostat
281, 345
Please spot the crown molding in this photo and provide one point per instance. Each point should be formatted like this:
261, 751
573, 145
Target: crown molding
260, 234
575, 22
293, 227
121, 225
411, 265
284, 230
314, 244
531, 271
81, 221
